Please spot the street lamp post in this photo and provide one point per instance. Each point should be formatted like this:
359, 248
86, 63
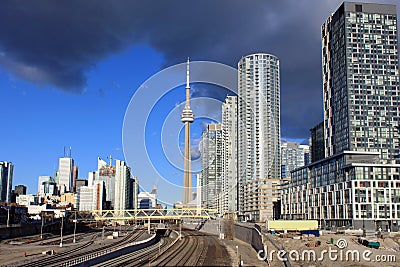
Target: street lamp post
364, 233
180, 229
8, 214
62, 225
74, 228
237, 252
8, 217
41, 227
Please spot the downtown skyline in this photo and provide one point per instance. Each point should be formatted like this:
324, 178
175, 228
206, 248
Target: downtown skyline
42, 116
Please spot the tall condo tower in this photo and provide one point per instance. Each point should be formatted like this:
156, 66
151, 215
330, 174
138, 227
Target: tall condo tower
361, 80
187, 118
258, 128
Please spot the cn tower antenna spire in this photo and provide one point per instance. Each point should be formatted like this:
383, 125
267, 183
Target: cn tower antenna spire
187, 118
187, 73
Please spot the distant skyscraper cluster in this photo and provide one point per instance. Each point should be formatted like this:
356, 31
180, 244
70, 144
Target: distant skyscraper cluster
109, 187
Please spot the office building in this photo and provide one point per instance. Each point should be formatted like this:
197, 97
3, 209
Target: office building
6, 178
357, 182
20, 190
74, 178
81, 182
65, 173
147, 200
122, 180
229, 194
258, 126
48, 187
106, 173
212, 163
43, 178
134, 191
91, 197
27, 200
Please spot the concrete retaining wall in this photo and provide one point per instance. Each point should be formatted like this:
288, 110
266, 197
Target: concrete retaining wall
250, 235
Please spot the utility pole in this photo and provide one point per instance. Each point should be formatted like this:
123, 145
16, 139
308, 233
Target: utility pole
74, 228
180, 229
8, 216
41, 227
62, 225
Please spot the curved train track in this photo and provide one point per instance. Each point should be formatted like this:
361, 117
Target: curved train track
195, 249
59, 258
139, 257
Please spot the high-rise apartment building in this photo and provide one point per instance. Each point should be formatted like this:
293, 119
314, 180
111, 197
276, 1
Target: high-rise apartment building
317, 149
65, 174
230, 144
357, 183
360, 79
6, 178
258, 126
122, 185
293, 157
212, 162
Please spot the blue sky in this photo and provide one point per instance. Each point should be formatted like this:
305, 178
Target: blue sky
69, 69
39, 120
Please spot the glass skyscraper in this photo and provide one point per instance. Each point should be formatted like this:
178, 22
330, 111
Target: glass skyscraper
6, 177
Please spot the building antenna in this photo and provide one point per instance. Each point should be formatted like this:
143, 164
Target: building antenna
70, 152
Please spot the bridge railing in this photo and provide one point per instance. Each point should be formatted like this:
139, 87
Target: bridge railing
147, 214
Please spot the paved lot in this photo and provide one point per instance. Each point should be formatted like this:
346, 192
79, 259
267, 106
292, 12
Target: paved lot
327, 254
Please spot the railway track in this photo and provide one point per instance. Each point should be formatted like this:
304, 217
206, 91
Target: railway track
195, 249
139, 257
187, 251
59, 258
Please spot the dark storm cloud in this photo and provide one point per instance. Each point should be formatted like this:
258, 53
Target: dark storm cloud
57, 42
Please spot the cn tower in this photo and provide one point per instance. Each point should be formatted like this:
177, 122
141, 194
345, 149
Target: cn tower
187, 118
